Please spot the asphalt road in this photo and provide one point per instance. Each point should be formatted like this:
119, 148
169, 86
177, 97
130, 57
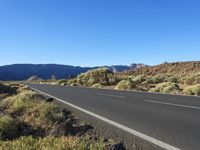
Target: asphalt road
165, 120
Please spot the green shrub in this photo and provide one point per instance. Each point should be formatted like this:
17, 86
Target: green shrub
8, 127
72, 81
156, 79
197, 79
101, 76
171, 89
97, 146
82, 79
174, 79
192, 90
166, 87
62, 82
124, 85
189, 80
97, 85
7, 89
91, 81
51, 112
24, 101
138, 79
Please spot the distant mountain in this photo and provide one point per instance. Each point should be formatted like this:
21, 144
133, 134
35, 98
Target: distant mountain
122, 68
45, 71
24, 71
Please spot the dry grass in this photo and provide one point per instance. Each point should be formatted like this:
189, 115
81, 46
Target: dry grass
51, 143
28, 121
124, 85
47, 143
8, 127
166, 87
192, 90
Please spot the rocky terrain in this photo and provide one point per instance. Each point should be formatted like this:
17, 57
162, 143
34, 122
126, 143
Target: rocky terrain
175, 68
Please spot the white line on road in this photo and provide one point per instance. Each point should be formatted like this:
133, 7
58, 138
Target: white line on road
172, 104
118, 96
127, 129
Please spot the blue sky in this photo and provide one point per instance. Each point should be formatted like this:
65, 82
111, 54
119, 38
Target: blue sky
99, 32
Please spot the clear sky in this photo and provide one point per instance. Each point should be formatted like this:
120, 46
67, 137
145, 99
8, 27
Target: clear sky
99, 32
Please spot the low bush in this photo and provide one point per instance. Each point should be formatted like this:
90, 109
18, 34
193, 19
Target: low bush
7, 89
189, 80
138, 79
155, 79
62, 82
173, 79
22, 89
97, 85
24, 101
72, 81
124, 85
192, 90
166, 87
101, 76
51, 113
8, 127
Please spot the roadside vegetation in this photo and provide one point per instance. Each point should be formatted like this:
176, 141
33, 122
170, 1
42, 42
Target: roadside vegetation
28, 120
188, 84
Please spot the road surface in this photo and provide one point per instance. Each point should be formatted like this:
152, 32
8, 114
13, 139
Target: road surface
170, 121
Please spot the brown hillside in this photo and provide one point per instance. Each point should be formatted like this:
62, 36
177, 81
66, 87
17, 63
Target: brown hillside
168, 68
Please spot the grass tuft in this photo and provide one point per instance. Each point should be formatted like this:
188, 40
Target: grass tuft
8, 127
47, 143
166, 87
51, 113
124, 85
192, 90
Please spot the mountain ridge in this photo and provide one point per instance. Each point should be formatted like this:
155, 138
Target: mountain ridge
45, 71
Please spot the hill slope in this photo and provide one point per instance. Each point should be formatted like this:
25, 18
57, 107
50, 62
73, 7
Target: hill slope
176, 68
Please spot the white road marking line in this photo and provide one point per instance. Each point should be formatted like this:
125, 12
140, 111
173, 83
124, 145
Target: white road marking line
81, 91
127, 129
172, 104
119, 96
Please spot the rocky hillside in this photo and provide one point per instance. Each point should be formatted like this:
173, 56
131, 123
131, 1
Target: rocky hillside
25, 71
176, 68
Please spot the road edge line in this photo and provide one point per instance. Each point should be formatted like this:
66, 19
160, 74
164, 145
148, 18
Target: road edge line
120, 126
